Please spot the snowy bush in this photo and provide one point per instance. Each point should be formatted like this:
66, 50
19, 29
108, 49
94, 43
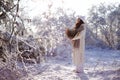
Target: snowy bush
104, 23
16, 48
51, 29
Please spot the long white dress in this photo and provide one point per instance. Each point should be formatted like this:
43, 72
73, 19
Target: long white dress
78, 53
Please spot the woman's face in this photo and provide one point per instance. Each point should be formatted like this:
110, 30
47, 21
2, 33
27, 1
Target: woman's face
78, 20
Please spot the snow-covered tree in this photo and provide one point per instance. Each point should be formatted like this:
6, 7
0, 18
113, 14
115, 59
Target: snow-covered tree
51, 28
104, 22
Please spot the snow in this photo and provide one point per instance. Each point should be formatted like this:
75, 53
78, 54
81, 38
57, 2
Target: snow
99, 64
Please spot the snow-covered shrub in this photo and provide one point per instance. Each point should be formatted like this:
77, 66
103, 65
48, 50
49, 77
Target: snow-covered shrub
51, 29
21, 47
18, 53
104, 23
16, 48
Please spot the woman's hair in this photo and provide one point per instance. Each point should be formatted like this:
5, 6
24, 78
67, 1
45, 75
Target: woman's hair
78, 23
72, 32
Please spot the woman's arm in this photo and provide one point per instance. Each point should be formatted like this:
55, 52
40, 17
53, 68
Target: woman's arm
77, 36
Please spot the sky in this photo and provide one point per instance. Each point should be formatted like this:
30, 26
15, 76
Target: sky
82, 6
35, 7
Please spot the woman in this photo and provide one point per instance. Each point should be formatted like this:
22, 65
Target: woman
77, 37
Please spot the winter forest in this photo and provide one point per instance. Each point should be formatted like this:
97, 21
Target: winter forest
34, 46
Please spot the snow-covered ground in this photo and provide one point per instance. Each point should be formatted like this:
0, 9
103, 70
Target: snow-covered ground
99, 64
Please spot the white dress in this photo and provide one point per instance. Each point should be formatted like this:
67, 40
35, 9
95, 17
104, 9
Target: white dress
78, 53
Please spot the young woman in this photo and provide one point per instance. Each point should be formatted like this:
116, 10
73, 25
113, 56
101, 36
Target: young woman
77, 37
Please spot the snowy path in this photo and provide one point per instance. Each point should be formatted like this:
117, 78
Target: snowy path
99, 65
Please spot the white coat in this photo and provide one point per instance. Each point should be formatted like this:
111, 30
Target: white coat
78, 53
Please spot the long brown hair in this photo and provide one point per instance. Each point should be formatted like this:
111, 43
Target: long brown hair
79, 22
72, 32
